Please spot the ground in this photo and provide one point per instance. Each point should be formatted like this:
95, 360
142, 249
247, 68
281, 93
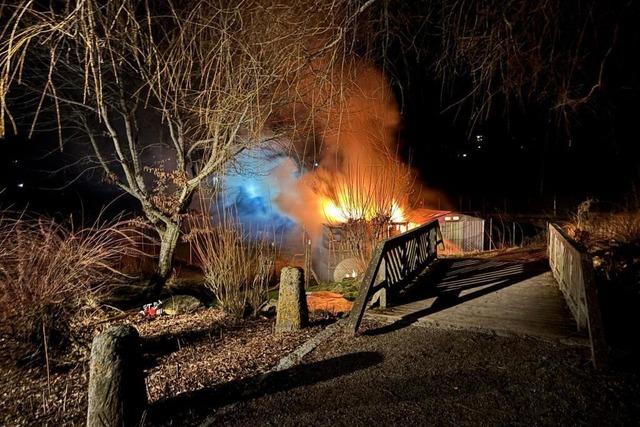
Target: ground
429, 376
182, 353
205, 368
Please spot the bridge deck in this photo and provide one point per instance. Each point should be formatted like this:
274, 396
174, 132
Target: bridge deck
505, 296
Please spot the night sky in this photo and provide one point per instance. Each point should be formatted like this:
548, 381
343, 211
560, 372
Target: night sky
518, 158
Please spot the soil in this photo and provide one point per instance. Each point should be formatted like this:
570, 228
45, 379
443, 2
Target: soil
182, 353
428, 376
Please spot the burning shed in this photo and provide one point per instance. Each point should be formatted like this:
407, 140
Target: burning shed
346, 248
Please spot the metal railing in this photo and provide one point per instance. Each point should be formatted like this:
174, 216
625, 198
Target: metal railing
394, 264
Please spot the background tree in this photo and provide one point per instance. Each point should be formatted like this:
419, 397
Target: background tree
166, 96
556, 75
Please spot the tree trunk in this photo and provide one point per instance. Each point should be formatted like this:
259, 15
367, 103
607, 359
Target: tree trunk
168, 242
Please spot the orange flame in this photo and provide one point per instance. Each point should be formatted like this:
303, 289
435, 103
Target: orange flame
397, 213
332, 212
338, 213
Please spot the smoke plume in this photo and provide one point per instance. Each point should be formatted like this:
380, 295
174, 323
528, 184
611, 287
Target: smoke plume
355, 171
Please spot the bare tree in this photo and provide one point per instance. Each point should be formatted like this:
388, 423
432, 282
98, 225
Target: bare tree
493, 56
167, 95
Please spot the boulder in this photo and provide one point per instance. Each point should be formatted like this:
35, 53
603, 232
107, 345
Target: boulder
270, 307
347, 269
181, 304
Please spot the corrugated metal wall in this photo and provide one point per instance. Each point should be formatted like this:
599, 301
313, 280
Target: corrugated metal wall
465, 234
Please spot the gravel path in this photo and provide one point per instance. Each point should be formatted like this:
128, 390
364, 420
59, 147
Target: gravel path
432, 376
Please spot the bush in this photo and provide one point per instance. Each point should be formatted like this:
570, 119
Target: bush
49, 271
603, 229
613, 240
237, 267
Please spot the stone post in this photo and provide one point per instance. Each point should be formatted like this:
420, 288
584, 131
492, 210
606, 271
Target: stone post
292, 312
117, 391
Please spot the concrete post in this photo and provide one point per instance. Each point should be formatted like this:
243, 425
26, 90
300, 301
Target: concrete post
117, 391
292, 313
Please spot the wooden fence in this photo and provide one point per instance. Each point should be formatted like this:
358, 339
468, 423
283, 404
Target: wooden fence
572, 267
394, 264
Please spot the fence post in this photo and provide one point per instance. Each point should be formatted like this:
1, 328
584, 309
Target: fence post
117, 391
292, 313
599, 348
490, 232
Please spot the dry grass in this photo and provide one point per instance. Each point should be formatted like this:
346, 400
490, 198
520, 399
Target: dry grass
613, 240
48, 272
604, 229
237, 267
621, 228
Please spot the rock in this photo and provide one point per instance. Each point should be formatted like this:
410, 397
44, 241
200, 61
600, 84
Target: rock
292, 313
597, 262
117, 391
269, 307
347, 268
181, 304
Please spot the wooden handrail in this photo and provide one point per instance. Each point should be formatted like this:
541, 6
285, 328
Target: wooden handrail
404, 257
572, 267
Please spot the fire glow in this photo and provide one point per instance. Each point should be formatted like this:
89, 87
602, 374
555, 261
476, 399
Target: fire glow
334, 213
356, 178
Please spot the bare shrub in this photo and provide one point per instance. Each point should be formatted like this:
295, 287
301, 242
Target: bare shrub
584, 213
200, 80
362, 203
48, 272
613, 241
237, 266
621, 228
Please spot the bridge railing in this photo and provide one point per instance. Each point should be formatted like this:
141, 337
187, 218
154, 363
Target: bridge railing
395, 263
572, 267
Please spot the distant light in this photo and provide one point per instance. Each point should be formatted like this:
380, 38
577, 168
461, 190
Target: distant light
464, 154
447, 218
251, 190
316, 164
479, 146
456, 218
21, 185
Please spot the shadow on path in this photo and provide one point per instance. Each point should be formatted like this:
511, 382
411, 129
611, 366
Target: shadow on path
453, 277
207, 399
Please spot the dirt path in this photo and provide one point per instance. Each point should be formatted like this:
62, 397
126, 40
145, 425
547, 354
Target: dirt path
432, 376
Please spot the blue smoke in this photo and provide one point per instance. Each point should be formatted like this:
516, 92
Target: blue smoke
250, 191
